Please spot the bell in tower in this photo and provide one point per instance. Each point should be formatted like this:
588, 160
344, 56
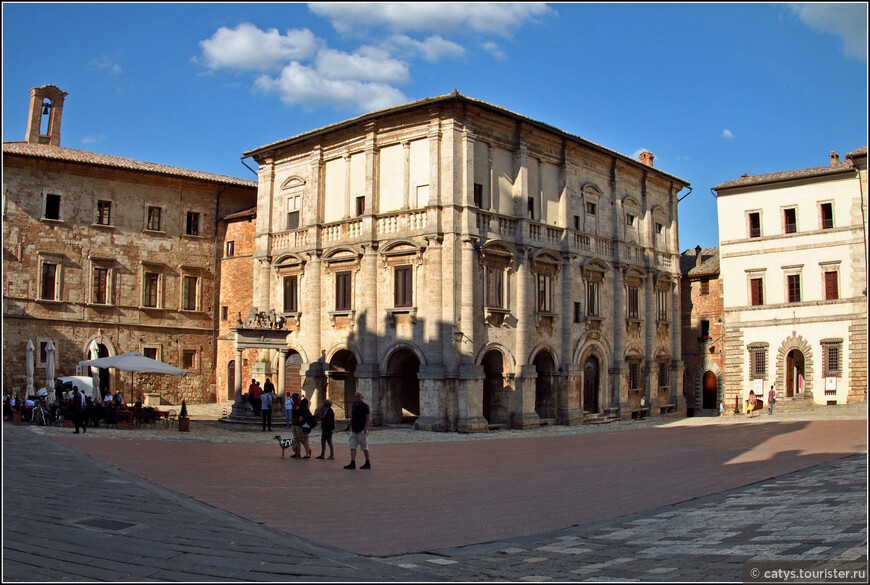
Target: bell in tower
46, 109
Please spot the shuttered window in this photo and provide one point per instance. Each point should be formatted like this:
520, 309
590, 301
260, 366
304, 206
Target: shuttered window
756, 287
831, 290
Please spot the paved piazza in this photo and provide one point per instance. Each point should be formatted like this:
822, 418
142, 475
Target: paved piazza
665, 500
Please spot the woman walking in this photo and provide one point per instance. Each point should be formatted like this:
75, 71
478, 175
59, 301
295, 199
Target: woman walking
327, 425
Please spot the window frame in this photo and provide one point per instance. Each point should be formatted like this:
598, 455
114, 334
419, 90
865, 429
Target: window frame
230, 249
403, 285
101, 265
824, 221
193, 224
186, 292
152, 212
46, 259
789, 224
831, 280
290, 293
45, 205
494, 287
344, 290
793, 288
101, 204
758, 360
828, 347
753, 231
632, 304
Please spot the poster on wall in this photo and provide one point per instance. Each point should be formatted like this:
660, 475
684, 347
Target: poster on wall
758, 386
830, 384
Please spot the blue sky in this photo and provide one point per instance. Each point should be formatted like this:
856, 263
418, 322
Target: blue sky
713, 90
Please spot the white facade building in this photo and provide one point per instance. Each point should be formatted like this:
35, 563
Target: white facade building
793, 261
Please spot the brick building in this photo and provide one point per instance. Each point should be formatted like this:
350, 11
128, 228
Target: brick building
466, 267
703, 329
99, 248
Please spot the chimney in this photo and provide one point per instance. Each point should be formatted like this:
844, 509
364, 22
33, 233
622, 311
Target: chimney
646, 157
46, 109
835, 158
698, 257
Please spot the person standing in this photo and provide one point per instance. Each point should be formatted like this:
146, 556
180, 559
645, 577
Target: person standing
258, 394
77, 409
752, 402
288, 408
251, 393
266, 407
327, 426
308, 423
360, 417
771, 399
296, 425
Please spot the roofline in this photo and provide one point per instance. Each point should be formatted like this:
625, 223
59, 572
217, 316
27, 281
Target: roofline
456, 96
772, 178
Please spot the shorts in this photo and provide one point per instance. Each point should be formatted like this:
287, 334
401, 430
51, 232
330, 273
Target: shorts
358, 440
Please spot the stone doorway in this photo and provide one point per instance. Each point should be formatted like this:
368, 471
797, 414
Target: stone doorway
545, 386
496, 409
402, 397
710, 386
341, 382
591, 375
794, 373
231, 380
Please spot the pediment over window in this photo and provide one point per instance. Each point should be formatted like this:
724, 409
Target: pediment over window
292, 182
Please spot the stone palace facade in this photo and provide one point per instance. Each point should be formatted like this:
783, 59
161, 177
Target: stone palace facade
465, 267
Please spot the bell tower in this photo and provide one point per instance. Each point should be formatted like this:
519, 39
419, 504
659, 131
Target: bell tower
46, 109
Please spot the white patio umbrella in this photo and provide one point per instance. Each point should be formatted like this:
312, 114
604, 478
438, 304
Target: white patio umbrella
49, 371
29, 363
135, 362
94, 353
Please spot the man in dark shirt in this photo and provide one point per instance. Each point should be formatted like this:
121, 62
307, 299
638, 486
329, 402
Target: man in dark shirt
360, 416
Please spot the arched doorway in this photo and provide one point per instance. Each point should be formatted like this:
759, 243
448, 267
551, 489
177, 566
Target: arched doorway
794, 373
231, 380
710, 387
341, 383
495, 401
545, 387
402, 388
293, 373
591, 375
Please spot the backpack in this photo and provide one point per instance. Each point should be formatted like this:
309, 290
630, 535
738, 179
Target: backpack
312, 421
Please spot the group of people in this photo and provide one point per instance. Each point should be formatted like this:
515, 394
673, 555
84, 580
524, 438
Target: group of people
752, 402
301, 420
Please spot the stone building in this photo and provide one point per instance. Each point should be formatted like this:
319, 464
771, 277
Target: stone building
793, 258
466, 267
703, 330
98, 248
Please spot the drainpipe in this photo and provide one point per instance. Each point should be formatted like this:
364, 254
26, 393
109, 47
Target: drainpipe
246, 164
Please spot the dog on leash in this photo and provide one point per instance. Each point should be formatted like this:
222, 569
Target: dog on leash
285, 444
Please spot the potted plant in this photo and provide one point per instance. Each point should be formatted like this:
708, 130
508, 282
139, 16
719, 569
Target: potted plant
183, 419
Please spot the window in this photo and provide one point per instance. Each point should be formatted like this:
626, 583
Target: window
154, 219
633, 376
225, 312
150, 352
790, 220
705, 329
794, 288
192, 226
291, 299
577, 222
578, 313
43, 352
360, 205
342, 291
189, 293
757, 361
531, 210
293, 206
705, 286
590, 208
231, 249
832, 358
402, 286
545, 293
663, 374
629, 219
100, 286
592, 307
494, 287
659, 229
478, 195
755, 225
662, 313
756, 291
831, 289
633, 303
52, 207
104, 212
188, 359
151, 290
827, 213
49, 285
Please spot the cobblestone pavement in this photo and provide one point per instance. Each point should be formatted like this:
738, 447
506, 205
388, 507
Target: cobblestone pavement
68, 516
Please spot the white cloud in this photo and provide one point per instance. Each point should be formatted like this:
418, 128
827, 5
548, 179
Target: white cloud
247, 47
493, 49
489, 17
727, 134
93, 139
367, 64
105, 63
432, 48
299, 84
847, 21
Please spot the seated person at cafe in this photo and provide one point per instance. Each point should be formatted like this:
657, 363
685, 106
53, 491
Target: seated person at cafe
138, 403
28, 407
119, 400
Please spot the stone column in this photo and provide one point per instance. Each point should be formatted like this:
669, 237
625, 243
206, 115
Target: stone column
619, 396
651, 326
470, 383
239, 408
406, 175
282, 365
523, 413
568, 396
